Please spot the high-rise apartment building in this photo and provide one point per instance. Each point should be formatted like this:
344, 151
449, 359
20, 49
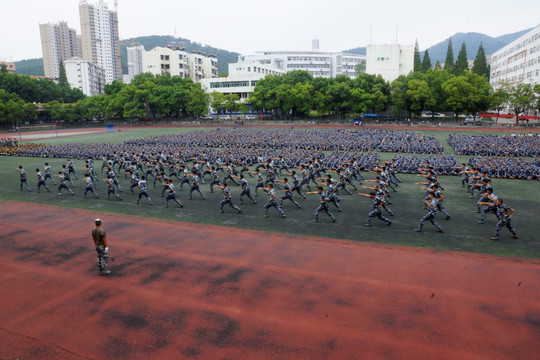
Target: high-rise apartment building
100, 43
58, 43
135, 60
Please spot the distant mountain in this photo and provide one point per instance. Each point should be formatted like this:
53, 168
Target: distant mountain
357, 51
149, 42
30, 67
472, 43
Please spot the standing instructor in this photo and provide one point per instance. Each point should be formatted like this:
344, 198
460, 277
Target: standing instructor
100, 241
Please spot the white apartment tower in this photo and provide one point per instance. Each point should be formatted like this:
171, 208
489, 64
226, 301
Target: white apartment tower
58, 43
100, 42
135, 60
517, 62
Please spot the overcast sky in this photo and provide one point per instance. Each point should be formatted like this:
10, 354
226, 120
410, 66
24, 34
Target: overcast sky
246, 26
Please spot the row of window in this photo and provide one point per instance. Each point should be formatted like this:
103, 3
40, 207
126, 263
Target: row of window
229, 84
308, 66
302, 58
529, 63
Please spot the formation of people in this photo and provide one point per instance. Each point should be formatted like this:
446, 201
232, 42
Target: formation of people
496, 145
269, 140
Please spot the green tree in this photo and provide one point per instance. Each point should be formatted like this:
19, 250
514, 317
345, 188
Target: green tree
521, 97
537, 98
360, 68
499, 100
467, 93
302, 96
198, 100
399, 95
31, 111
418, 93
55, 109
62, 77
418, 67
12, 108
339, 99
449, 61
480, 66
435, 80
426, 63
113, 88
162, 99
462, 63
218, 102
231, 103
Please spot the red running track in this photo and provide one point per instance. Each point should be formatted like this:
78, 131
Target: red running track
187, 291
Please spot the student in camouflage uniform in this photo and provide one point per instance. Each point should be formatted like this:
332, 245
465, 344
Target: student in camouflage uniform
227, 198
48, 174
143, 190
62, 184
288, 193
41, 181
245, 189
432, 210
323, 204
110, 188
272, 202
89, 186
23, 179
171, 194
505, 219
375, 208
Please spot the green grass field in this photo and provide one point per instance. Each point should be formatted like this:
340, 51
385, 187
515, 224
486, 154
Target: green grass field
462, 232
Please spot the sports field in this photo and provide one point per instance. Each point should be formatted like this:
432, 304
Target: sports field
462, 232
192, 283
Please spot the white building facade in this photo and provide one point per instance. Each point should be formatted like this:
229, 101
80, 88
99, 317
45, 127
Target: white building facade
243, 76
202, 66
317, 63
100, 43
177, 62
517, 62
135, 60
165, 60
84, 75
390, 60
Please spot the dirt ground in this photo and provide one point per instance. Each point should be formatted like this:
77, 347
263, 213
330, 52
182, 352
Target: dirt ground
181, 290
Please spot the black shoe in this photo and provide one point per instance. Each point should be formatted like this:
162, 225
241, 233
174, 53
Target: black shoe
440, 230
418, 230
495, 238
104, 272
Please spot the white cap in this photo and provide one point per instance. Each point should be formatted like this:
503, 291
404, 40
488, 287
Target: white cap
97, 221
